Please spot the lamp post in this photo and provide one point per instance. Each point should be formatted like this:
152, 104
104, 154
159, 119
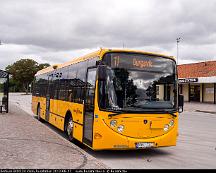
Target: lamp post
177, 40
123, 45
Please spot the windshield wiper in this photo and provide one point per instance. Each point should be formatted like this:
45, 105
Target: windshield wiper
171, 113
165, 111
127, 111
119, 112
111, 115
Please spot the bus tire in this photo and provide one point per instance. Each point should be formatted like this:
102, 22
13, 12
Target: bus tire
69, 125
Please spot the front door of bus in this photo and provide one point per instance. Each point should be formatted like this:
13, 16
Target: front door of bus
89, 106
48, 100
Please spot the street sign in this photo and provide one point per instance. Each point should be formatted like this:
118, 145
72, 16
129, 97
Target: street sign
3, 74
188, 80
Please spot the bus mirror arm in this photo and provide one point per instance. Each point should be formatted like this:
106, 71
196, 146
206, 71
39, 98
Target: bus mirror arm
180, 103
99, 62
102, 72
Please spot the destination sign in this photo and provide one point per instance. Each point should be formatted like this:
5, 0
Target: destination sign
136, 62
188, 80
140, 62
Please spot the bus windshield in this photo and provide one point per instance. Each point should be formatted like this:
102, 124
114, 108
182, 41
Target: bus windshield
137, 83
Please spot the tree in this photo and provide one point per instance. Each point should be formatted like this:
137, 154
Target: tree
14, 86
42, 66
23, 71
126, 90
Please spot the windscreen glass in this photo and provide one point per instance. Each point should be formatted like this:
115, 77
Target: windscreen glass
137, 82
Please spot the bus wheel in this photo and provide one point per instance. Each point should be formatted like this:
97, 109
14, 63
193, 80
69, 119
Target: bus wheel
69, 129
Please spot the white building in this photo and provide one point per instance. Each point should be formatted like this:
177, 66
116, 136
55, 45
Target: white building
197, 81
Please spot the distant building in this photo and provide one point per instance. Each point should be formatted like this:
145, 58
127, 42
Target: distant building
197, 81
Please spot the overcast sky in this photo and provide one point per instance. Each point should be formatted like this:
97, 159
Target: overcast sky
55, 31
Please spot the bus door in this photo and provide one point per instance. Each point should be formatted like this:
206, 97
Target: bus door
89, 106
48, 99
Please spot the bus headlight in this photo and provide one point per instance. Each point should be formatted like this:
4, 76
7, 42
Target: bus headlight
171, 123
120, 128
113, 123
166, 127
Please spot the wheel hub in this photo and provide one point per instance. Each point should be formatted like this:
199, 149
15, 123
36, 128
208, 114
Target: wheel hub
69, 127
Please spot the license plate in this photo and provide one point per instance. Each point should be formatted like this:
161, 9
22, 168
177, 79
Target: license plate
144, 144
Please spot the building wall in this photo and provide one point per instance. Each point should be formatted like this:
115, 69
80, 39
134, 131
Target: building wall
161, 92
201, 92
208, 93
185, 92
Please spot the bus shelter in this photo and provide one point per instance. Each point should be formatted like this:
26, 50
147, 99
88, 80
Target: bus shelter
4, 89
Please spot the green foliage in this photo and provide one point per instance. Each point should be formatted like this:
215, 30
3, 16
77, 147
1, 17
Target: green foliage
15, 86
23, 72
42, 66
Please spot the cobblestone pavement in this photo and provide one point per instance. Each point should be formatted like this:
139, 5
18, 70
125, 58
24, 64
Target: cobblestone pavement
26, 143
23, 101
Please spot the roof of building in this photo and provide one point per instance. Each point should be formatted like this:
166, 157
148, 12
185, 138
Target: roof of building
194, 70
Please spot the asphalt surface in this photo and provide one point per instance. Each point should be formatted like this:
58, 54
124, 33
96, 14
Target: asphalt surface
196, 148
196, 145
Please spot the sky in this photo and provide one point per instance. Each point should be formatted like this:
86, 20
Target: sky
56, 31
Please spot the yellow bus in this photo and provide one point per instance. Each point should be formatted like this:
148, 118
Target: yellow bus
113, 99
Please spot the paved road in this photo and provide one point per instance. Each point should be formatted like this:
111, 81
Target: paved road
196, 146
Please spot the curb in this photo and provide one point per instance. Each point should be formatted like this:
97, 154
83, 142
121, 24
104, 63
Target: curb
210, 112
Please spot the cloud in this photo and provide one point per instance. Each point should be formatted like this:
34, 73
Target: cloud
51, 30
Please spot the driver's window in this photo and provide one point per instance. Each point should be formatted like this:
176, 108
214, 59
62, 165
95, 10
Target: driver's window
90, 88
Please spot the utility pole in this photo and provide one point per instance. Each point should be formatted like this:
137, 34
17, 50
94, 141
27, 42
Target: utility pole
177, 40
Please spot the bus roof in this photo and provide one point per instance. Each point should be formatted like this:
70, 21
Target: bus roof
99, 53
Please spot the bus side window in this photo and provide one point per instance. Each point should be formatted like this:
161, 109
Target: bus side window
75, 94
76, 82
70, 95
81, 75
67, 97
71, 78
36, 87
71, 90
56, 88
62, 90
43, 84
78, 95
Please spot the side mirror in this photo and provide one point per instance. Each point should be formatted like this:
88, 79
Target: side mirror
180, 103
98, 62
102, 72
